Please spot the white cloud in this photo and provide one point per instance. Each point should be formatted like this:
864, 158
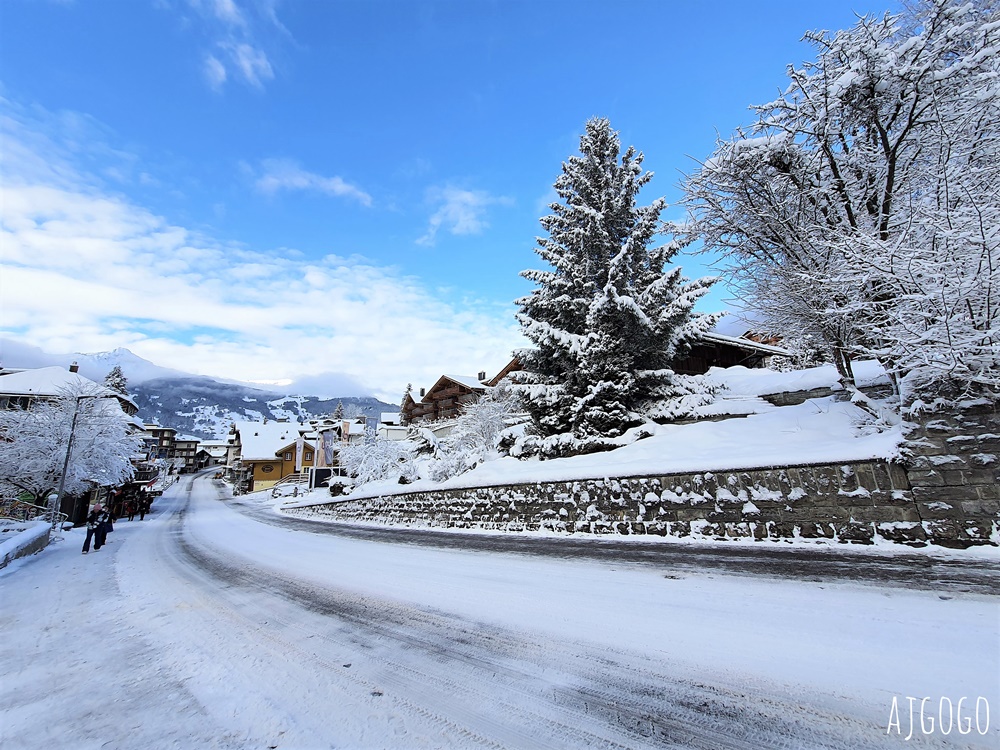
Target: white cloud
215, 72
239, 36
228, 12
459, 211
251, 62
85, 270
283, 174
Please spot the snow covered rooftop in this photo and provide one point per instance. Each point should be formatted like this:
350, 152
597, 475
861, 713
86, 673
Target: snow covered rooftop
261, 440
50, 381
468, 381
54, 381
744, 343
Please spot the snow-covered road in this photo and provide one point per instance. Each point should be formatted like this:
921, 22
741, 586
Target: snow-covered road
201, 627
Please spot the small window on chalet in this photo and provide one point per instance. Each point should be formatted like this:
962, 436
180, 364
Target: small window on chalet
288, 455
309, 456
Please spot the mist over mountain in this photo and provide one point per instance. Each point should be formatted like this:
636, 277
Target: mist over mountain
192, 404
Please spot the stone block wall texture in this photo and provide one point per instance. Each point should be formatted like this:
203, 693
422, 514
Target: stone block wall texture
954, 472
945, 494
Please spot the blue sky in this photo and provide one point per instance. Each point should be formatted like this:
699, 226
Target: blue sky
344, 191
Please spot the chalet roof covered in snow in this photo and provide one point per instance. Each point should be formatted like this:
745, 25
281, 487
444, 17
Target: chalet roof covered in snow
52, 381
261, 440
467, 380
744, 343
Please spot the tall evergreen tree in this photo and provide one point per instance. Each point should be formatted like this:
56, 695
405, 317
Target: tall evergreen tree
607, 319
338, 413
116, 381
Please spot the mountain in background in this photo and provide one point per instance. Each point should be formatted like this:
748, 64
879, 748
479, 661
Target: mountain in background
192, 404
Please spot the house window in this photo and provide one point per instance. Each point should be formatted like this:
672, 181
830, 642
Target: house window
309, 456
288, 455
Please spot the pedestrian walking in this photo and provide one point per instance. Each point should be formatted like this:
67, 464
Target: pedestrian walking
104, 527
93, 521
143, 509
130, 509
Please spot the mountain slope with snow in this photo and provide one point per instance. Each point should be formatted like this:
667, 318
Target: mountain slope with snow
192, 404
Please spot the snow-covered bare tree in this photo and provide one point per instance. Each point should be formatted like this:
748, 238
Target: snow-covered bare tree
116, 381
608, 318
376, 459
863, 207
477, 432
33, 444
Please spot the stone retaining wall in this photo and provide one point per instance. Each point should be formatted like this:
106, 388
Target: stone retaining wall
947, 493
954, 471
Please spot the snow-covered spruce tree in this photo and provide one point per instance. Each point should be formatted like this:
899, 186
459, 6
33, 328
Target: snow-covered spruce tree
863, 206
338, 413
33, 446
608, 318
116, 381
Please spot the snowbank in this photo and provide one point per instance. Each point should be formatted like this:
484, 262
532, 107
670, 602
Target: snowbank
23, 543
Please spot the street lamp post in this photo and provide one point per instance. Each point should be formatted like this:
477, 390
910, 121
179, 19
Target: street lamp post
57, 499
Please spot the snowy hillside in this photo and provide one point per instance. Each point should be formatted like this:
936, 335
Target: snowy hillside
206, 407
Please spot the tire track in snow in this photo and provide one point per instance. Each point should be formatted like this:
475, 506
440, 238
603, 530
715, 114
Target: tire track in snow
599, 698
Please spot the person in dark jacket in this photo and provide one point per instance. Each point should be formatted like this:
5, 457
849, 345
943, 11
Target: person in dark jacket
103, 527
93, 521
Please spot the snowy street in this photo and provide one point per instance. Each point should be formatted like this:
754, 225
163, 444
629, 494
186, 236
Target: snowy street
204, 627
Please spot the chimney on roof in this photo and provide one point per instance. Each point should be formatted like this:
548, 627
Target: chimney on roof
482, 375
423, 392
74, 367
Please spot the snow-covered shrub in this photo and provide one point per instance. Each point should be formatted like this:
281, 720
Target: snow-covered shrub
376, 459
478, 431
567, 444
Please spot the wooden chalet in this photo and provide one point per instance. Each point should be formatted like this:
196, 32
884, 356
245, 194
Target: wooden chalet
444, 399
717, 350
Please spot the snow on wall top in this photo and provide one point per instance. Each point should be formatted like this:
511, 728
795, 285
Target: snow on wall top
744, 381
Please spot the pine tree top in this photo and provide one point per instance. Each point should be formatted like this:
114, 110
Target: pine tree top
116, 381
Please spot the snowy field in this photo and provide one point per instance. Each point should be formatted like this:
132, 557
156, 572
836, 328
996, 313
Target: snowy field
201, 627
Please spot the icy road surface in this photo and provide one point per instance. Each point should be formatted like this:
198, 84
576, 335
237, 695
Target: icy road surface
201, 627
